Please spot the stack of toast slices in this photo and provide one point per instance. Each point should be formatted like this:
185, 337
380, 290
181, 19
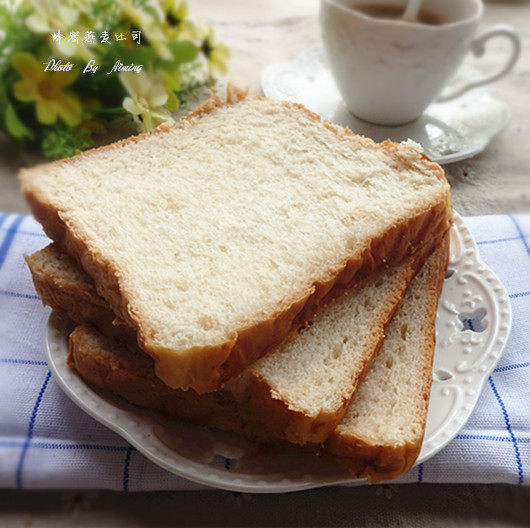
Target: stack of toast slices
254, 269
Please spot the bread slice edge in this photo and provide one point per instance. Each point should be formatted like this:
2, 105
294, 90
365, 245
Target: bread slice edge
380, 462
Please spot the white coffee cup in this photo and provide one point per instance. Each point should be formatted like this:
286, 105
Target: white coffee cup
388, 71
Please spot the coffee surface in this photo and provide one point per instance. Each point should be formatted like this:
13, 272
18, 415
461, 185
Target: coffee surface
396, 12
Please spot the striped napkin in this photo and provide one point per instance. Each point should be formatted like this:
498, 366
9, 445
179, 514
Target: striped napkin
47, 442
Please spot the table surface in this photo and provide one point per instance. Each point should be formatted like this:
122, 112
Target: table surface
495, 181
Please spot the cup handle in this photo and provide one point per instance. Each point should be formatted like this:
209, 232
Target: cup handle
478, 47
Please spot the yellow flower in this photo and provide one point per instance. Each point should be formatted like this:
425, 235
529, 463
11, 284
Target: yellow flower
46, 89
177, 23
146, 100
216, 54
176, 11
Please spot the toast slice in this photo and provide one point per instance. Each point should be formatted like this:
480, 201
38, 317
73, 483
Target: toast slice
371, 441
65, 287
382, 431
298, 392
217, 237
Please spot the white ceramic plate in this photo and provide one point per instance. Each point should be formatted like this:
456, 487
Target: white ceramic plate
462, 362
448, 132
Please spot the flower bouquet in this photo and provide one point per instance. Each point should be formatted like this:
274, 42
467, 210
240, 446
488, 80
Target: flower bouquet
68, 66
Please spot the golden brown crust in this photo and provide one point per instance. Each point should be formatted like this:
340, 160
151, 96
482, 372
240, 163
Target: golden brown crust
82, 304
76, 298
378, 463
208, 368
131, 376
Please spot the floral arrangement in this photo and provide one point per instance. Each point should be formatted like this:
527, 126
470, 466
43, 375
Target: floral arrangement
68, 66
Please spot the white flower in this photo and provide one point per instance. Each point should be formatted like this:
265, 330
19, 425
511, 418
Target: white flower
50, 15
146, 100
53, 16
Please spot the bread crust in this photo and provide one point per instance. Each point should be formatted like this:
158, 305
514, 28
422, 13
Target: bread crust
378, 463
80, 303
74, 297
131, 376
207, 368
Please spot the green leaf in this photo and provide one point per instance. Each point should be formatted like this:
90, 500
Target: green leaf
143, 55
3, 100
183, 51
14, 35
15, 126
60, 141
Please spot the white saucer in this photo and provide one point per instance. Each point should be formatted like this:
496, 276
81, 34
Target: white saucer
448, 132
463, 360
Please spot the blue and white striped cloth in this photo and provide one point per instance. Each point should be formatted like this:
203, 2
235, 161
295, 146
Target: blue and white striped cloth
47, 442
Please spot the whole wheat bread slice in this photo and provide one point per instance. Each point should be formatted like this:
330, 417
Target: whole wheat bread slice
326, 359
382, 431
217, 237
